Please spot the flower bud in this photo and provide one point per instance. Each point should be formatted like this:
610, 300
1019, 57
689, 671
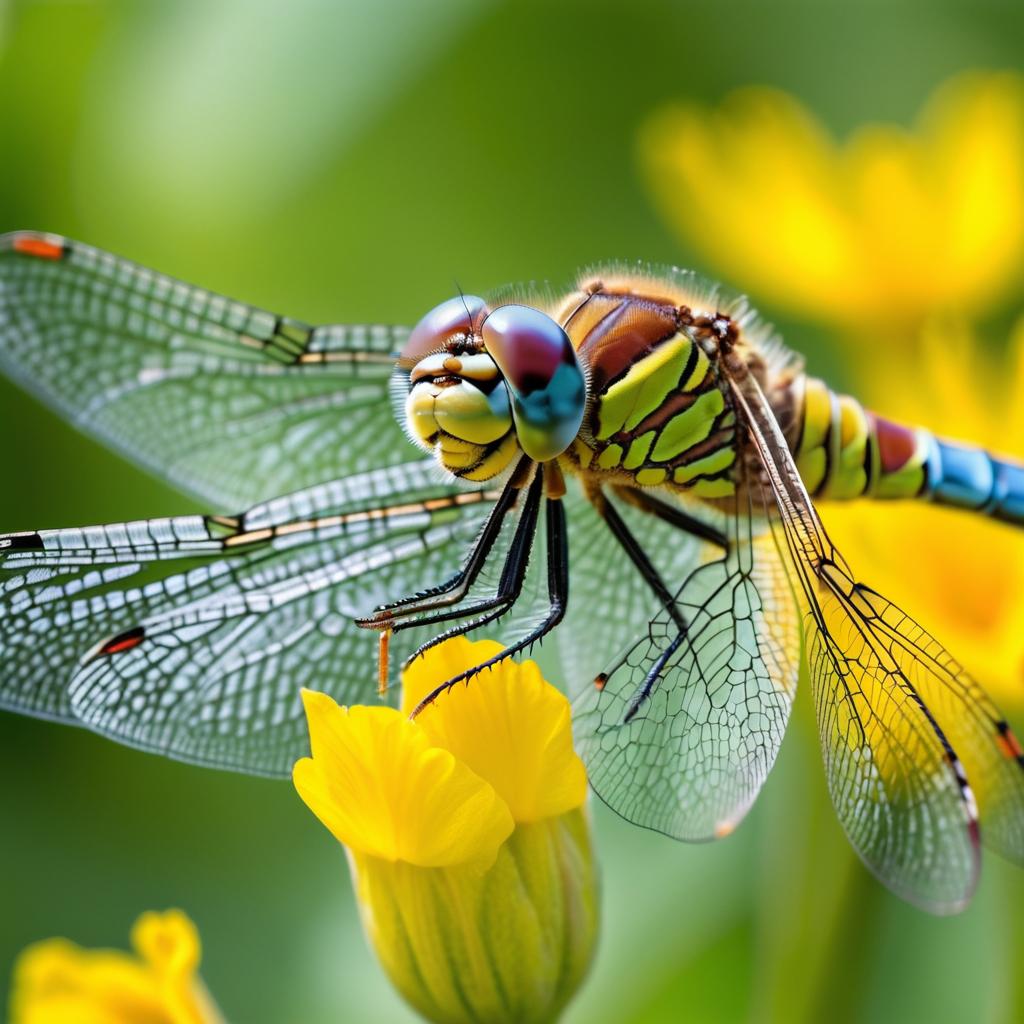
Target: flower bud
467, 836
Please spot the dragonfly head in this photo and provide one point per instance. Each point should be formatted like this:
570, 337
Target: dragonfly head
485, 385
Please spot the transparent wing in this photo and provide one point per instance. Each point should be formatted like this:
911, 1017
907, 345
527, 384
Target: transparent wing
610, 604
976, 729
227, 402
913, 748
688, 722
192, 636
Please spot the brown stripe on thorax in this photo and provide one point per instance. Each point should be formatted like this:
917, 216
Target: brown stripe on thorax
612, 332
672, 406
720, 438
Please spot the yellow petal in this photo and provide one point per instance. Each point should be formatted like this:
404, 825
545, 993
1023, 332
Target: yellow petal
57, 982
381, 788
440, 663
974, 127
507, 724
755, 187
896, 223
168, 941
889, 228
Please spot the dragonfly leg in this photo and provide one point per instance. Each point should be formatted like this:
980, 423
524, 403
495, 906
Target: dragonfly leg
453, 590
632, 547
511, 583
558, 600
653, 675
641, 560
672, 515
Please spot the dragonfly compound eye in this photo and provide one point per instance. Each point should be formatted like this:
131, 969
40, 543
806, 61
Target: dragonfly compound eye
457, 405
455, 320
543, 376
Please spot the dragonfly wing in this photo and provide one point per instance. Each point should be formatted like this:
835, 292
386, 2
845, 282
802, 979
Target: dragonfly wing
225, 401
192, 637
610, 604
991, 754
913, 748
687, 724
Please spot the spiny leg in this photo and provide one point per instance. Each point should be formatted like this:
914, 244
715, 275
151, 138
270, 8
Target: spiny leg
453, 590
511, 583
637, 555
558, 600
632, 547
640, 558
672, 515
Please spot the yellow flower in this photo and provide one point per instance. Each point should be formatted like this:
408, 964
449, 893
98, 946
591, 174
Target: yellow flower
467, 836
57, 982
884, 230
960, 575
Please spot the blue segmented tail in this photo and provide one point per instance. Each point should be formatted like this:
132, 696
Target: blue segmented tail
844, 451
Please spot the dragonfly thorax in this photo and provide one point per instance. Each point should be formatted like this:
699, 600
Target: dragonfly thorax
660, 411
619, 378
484, 386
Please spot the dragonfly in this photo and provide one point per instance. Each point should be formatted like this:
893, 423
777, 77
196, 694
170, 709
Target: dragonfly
629, 465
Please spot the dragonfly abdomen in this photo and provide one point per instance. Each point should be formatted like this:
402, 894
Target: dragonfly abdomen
843, 451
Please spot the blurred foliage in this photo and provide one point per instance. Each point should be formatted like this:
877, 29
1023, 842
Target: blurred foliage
351, 161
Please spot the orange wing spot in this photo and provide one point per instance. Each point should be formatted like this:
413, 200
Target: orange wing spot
724, 828
42, 248
124, 642
1009, 745
600, 681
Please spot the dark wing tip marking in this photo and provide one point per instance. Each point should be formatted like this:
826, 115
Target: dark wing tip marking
39, 244
21, 542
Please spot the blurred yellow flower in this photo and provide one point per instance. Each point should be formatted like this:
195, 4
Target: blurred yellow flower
960, 575
467, 836
884, 230
57, 982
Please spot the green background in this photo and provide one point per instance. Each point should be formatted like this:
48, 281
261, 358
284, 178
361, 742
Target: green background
352, 161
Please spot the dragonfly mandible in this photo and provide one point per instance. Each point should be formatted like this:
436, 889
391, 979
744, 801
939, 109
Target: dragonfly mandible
639, 435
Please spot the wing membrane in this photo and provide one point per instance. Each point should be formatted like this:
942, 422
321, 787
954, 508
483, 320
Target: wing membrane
192, 636
976, 730
226, 401
913, 748
687, 724
610, 603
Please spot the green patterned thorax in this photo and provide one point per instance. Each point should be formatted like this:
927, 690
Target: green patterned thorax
658, 414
